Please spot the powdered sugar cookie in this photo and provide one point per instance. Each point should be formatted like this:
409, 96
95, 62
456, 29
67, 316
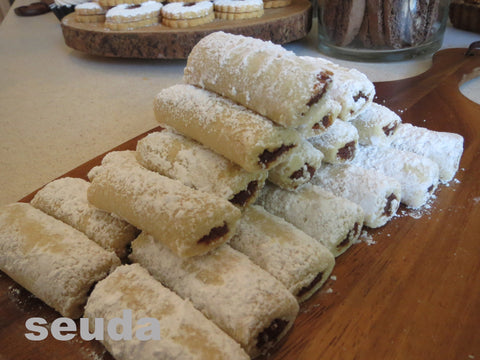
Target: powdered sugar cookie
128, 16
89, 12
238, 9
182, 15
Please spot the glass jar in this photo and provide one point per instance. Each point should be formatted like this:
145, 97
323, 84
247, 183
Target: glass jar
381, 30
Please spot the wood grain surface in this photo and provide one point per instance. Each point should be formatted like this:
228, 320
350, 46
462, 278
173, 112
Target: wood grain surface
413, 294
280, 25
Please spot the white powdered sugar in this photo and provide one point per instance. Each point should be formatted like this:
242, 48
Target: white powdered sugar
283, 250
257, 74
376, 124
52, 260
417, 174
442, 147
66, 200
132, 11
335, 138
334, 221
195, 165
240, 297
184, 332
366, 187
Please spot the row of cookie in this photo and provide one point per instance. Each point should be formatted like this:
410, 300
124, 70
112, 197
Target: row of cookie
120, 184
129, 16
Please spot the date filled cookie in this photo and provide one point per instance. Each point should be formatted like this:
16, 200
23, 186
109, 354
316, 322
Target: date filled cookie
184, 15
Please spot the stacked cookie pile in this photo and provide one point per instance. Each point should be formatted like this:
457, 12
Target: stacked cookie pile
134, 14
231, 216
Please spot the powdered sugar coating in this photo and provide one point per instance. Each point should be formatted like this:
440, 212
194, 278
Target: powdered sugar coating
173, 155
366, 187
175, 214
351, 88
229, 129
52, 260
298, 168
182, 10
238, 5
417, 175
66, 199
444, 148
91, 5
334, 139
184, 332
283, 250
335, 222
259, 75
376, 124
240, 297
131, 12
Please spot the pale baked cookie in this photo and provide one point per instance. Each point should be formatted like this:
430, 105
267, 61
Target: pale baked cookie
185, 333
55, 262
238, 9
377, 194
178, 157
245, 301
376, 124
241, 135
298, 168
338, 143
444, 148
333, 221
261, 76
297, 260
89, 12
187, 14
418, 175
271, 4
133, 16
66, 199
188, 221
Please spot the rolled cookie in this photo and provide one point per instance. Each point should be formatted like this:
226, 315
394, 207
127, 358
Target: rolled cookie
66, 199
417, 175
181, 158
242, 136
377, 194
185, 333
298, 261
55, 262
245, 301
188, 221
376, 124
298, 168
350, 87
333, 221
259, 75
338, 143
444, 148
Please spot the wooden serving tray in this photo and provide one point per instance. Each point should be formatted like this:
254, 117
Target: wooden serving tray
413, 294
281, 25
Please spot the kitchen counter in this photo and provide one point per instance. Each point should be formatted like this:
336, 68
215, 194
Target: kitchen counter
60, 107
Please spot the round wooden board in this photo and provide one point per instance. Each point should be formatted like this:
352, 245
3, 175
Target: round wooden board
281, 25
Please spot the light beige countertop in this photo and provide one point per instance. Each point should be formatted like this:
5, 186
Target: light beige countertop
60, 107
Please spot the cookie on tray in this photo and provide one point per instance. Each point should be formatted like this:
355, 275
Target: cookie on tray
90, 12
133, 16
271, 4
238, 9
184, 15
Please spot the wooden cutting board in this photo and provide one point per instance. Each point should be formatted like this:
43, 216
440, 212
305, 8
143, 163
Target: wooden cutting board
279, 25
413, 294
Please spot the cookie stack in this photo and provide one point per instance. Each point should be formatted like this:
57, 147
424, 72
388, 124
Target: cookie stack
231, 215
